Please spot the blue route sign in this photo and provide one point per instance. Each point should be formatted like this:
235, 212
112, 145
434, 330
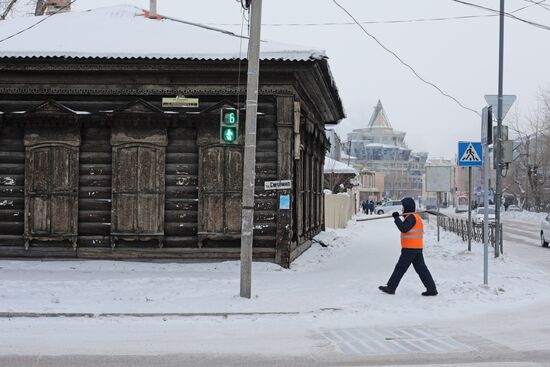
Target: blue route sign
469, 154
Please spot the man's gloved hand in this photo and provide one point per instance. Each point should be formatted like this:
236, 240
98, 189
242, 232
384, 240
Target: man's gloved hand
395, 215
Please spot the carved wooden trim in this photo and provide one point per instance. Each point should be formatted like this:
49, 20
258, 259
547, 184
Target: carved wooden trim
191, 91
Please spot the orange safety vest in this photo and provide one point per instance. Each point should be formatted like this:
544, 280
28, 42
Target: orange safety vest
414, 237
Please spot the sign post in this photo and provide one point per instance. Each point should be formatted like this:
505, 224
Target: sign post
470, 155
487, 118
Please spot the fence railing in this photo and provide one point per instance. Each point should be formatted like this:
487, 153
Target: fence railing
460, 227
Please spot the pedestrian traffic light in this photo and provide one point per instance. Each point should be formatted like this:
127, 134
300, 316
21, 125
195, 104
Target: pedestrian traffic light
229, 125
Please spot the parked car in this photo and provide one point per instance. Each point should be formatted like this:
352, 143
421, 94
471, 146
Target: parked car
462, 204
514, 208
389, 207
479, 215
545, 231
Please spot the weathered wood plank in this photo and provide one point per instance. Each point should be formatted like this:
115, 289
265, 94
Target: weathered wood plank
12, 157
11, 227
12, 169
88, 229
11, 191
180, 158
95, 180
181, 192
181, 204
88, 192
94, 216
12, 180
12, 203
95, 169
180, 216
94, 204
181, 146
141, 253
87, 158
11, 240
182, 180
38, 252
191, 169
11, 215
180, 229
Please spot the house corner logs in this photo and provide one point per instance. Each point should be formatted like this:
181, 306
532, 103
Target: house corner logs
285, 165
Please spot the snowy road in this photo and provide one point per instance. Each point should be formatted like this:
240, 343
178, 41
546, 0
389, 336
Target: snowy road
335, 314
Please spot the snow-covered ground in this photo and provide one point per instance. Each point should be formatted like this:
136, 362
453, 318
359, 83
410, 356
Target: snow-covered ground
343, 276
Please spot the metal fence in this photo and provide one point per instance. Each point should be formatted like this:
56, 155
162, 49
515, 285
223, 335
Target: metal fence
460, 227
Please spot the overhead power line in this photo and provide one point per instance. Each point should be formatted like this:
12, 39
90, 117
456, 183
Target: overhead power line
37, 23
509, 15
414, 20
406, 64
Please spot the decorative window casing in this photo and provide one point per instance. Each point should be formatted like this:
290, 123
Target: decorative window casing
138, 190
51, 184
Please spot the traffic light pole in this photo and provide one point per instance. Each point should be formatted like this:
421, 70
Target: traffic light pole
249, 166
498, 145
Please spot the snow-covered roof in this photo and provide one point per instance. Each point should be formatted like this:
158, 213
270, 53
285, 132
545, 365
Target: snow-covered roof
124, 31
332, 166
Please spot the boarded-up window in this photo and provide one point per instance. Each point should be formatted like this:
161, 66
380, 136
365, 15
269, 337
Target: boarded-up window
138, 184
51, 193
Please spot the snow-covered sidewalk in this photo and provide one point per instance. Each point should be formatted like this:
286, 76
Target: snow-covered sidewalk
343, 276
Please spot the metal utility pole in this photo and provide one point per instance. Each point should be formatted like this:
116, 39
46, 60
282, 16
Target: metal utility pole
152, 9
487, 118
470, 208
249, 165
498, 150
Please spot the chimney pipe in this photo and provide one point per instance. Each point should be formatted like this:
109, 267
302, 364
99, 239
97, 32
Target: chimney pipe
152, 9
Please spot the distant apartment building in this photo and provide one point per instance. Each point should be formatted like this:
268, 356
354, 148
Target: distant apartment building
380, 148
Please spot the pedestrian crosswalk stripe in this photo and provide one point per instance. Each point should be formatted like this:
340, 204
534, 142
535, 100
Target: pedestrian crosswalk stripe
470, 155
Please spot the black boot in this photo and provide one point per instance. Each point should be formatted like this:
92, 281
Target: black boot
430, 293
386, 289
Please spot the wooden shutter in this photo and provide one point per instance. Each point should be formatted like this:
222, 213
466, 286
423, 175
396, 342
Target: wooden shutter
138, 192
51, 193
220, 192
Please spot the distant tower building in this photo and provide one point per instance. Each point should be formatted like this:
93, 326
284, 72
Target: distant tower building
61, 6
382, 149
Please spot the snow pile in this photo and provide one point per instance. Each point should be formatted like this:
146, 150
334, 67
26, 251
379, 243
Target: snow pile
333, 166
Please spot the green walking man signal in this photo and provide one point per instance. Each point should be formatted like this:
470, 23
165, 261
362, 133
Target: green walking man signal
229, 125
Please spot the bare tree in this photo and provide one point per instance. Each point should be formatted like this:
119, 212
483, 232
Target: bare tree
529, 176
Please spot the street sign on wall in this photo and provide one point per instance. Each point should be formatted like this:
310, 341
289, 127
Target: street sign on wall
438, 178
470, 154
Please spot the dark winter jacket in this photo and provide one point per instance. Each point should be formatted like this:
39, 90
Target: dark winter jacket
408, 207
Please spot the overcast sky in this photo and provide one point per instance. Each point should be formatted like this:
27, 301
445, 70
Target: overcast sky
460, 56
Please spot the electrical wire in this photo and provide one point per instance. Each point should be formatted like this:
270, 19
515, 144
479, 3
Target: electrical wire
404, 63
509, 15
37, 23
544, 6
414, 20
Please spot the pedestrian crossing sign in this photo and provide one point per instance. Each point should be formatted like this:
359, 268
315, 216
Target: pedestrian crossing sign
469, 154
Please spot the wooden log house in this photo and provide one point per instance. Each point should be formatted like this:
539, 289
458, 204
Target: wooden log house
93, 166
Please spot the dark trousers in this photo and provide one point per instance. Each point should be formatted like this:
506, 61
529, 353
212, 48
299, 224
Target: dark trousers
411, 256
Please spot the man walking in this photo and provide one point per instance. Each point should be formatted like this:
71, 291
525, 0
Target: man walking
412, 242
